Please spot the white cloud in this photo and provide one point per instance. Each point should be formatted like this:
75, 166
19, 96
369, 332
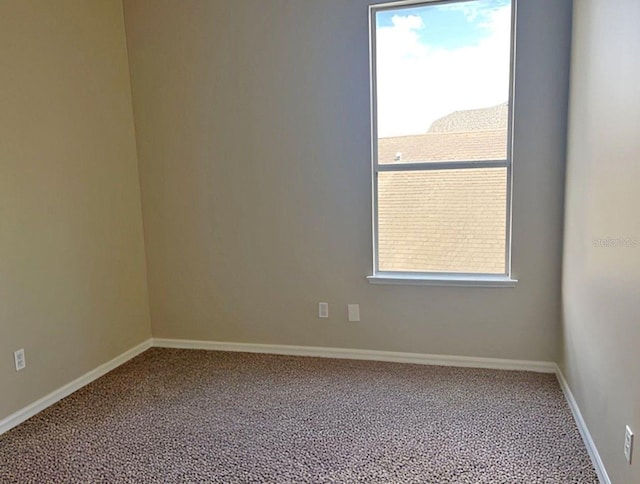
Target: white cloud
418, 84
408, 22
470, 10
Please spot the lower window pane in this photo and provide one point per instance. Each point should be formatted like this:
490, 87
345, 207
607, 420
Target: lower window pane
442, 220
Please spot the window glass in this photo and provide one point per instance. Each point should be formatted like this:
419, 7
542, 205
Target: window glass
442, 163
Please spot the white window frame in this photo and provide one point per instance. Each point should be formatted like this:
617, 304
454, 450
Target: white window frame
438, 278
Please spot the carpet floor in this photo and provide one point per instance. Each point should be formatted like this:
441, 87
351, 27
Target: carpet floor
206, 416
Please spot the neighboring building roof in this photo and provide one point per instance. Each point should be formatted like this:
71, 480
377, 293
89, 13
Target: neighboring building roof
494, 117
445, 220
464, 146
442, 221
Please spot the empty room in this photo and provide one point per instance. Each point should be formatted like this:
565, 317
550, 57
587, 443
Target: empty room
312, 241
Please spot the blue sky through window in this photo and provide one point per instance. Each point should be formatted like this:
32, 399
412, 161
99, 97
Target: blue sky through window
448, 26
437, 58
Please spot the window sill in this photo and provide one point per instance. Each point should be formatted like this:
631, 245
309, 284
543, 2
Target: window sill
443, 280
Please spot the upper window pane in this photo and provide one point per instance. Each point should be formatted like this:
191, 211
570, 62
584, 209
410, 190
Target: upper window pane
442, 81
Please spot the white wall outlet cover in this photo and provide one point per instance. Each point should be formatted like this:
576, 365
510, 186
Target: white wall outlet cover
354, 312
628, 443
323, 310
19, 359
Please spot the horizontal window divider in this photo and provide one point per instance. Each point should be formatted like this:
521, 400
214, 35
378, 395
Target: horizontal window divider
442, 165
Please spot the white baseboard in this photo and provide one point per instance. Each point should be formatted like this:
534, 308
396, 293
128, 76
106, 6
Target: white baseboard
30, 410
584, 430
416, 358
355, 354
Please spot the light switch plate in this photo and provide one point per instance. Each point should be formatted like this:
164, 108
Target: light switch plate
323, 310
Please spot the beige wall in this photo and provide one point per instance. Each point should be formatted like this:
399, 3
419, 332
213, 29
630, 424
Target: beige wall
72, 285
253, 130
601, 286
253, 134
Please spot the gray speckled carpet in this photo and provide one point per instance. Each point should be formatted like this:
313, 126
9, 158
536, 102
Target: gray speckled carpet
204, 416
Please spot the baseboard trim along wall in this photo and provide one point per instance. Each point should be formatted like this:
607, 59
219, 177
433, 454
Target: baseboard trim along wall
357, 354
38, 406
416, 358
354, 354
584, 430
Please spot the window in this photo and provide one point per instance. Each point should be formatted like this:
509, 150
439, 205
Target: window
441, 124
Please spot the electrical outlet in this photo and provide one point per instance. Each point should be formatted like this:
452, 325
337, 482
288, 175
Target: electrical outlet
323, 310
354, 312
18, 357
628, 444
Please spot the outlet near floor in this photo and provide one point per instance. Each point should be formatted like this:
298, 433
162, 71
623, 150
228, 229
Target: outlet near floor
323, 310
628, 444
19, 359
353, 311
